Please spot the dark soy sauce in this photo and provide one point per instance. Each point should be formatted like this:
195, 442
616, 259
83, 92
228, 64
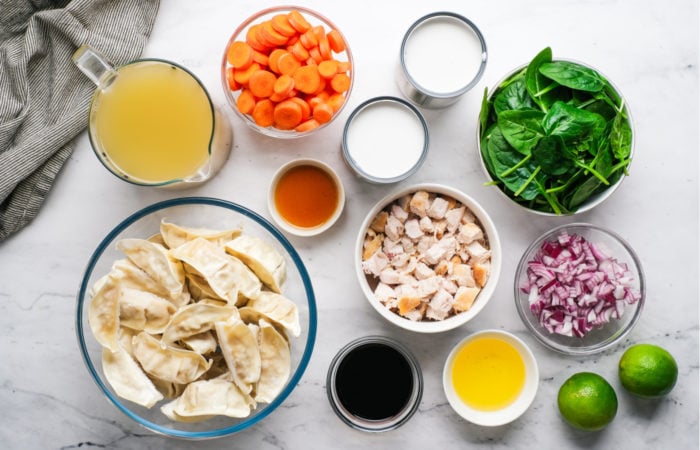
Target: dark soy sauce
374, 381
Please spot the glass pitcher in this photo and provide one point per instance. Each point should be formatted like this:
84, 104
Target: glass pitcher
152, 122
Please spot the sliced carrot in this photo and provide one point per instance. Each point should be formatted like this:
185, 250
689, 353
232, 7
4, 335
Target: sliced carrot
328, 68
239, 54
262, 83
276, 98
263, 113
315, 55
319, 32
292, 40
321, 90
305, 108
308, 39
287, 64
274, 58
261, 58
307, 79
323, 112
246, 102
284, 85
307, 125
287, 115
252, 38
336, 101
242, 76
272, 36
280, 23
232, 83
324, 48
299, 51
336, 41
340, 82
316, 99
344, 66
297, 20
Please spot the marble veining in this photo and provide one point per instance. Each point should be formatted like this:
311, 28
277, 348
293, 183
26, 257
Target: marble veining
650, 51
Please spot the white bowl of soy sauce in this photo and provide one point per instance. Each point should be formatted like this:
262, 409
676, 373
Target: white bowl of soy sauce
374, 384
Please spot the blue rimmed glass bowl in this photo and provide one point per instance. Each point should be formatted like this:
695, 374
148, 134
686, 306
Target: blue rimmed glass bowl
198, 212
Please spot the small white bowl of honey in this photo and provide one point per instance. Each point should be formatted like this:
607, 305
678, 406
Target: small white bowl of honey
306, 197
490, 378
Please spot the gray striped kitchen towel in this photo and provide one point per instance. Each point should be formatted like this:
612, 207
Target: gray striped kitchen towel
44, 98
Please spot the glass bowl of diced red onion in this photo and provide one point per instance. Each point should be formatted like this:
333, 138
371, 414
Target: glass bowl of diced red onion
579, 288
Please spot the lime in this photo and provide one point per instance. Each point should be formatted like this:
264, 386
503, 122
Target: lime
648, 371
587, 401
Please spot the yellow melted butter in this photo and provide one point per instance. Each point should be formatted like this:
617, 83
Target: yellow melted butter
488, 374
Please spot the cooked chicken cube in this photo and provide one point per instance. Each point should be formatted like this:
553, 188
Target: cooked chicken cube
426, 224
469, 232
428, 286
420, 202
440, 305
413, 229
464, 298
394, 228
478, 252
481, 273
379, 222
399, 213
375, 264
384, 293
453, 217
423, 271
463, 275
372, 245
438, 208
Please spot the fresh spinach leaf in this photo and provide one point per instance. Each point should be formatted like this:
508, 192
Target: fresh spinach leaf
574, 125
621, 137
550, 154
572, 75
534, 80
510, 167
484, 112
513, 97
522, 128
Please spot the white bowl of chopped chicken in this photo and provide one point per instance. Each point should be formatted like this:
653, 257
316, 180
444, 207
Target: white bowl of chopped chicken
428, 258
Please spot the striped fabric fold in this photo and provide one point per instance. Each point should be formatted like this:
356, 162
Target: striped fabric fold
44, 98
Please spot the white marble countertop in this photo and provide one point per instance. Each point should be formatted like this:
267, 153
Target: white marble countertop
649, 49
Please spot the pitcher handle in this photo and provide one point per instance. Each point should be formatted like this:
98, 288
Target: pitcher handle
94, 65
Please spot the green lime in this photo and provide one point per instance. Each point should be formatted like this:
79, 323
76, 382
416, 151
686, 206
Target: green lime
587, 401
648, 371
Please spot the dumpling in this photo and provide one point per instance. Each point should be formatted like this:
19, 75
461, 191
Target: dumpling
103, 314
198, 286
205, 398
176, 235
127, 379
166, 362
275, 359
267, 263
202, 343
194, 319
278, 308
143, 310
227, 276
130, 275
155, 260
239, 346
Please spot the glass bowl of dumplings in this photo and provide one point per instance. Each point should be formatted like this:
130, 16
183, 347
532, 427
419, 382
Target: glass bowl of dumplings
196, 317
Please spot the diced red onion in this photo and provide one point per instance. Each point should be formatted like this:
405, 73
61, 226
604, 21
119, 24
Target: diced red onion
574, 286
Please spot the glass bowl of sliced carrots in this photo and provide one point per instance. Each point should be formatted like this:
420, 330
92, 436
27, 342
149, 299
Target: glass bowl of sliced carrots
287, 71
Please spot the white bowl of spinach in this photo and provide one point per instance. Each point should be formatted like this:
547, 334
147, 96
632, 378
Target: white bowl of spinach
555, 136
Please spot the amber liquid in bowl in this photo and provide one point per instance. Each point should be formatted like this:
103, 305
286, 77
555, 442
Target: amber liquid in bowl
306, 196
